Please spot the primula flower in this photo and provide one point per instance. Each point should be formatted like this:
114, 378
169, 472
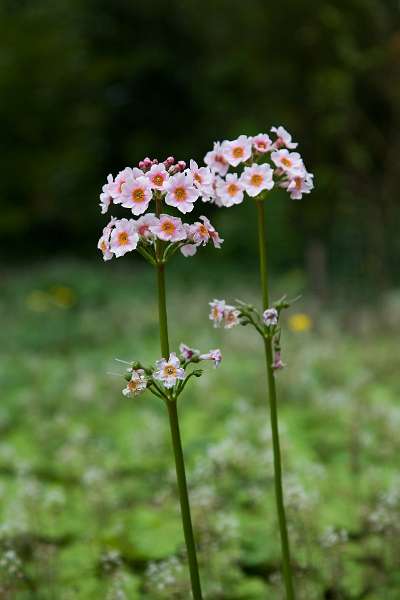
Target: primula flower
202, 179
169, 229
231, 317
230, 190
214, 355
136, 194
158, 176
124, 237
237, 151
188, 353
299, 185
137, 383
270, 317
189, 250
169, 371
181, 192
216, 160
104, 246
283, 138
217, 311
261, 142
290, 162
257, 178
121, 178
213, 233
106, 195
143, 225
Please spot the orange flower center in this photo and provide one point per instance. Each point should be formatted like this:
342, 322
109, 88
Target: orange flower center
168, 227
123, 238
180, 194
232, 189
158, 180
215, 312
256, 180
197, 178
261, 144
219, 158
238, 152
133, 385
286, 161
103, 246
203, 230
169, 371
298, 182
138, 195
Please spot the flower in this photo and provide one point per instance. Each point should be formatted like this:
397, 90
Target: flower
136, 385
257, 178
104, 246
181, 192
189, 250
213, 233
157, 176
188, 353
216, 160
231, 317
270, 317
214, 355
169, 229
116, 190
169, 371
124, 237
278, 364
283, 138
261, 142
106, 195
136, 194
143, 225
202, 179
290, 162
300, 322
299, 185
230, 190
237, 151
217, 311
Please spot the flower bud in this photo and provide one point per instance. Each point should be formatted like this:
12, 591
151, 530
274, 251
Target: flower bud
181, 165
136, 365
168, 162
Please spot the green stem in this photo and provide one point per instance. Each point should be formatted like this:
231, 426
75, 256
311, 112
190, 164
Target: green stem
286, 566
177, 446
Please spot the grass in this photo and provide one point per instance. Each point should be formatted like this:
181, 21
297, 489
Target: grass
87, 487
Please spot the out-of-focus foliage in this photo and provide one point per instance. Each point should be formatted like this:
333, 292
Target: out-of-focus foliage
87, 87
88, 504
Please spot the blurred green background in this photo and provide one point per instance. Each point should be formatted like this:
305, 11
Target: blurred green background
87, 490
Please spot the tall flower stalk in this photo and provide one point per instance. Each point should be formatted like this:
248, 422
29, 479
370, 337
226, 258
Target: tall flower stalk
261, 164
157, 237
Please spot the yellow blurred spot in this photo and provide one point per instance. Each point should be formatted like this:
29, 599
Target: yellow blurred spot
38, 301
62, 296
300, 322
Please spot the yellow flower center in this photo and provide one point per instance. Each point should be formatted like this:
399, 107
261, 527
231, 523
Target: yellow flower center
215, 312
133, 384
197, 178
256, 180
232, 189
203, 230
261, 144
168, 227
286, 161
123, 238
219, 158
169, 371
158, 179
238, 152
180, 194
103, 246
298, 183
138, 195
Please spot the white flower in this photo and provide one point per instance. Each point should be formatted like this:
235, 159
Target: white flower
261, 142
270, 317
189, 250
124, 237
143, 225
188, 353
213, 233
214, 355
136, 385
290, 162
237, 151
230, 190
202, 178
106, 195
217, 311
169, 229
169, 371
299, 185
257, 178
136, 194
283, 138
158, 176
121, 178
181, 192
216, 161
104, 246
231, 317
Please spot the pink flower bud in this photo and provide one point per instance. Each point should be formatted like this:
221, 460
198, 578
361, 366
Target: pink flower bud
168, 162
181, 165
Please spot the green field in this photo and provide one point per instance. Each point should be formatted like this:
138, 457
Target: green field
87, 485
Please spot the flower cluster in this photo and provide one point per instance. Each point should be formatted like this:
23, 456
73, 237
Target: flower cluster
267, 324
264, 163
168, 183
168, 377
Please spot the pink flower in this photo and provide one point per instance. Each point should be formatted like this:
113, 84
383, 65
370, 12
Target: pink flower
213, 233
231, 317
143, 225
270, 317
198, 233
124, 237
214, 355
169, 229
188, 353
106, 194
189, 250
278, 364
257, 178
290, 162
136, 194
216, 160
169, 371
217, 311
283, 138
202, 179
136, 385
261, 142
299, 185
181, 192
237, 151
104, 246
230, 190
157, 176
121, 178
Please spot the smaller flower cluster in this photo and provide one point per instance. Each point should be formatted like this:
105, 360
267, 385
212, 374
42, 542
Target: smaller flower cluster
267, 324
168, 377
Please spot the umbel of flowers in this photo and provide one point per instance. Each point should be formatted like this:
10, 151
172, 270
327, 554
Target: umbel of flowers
250, 167
149, 192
